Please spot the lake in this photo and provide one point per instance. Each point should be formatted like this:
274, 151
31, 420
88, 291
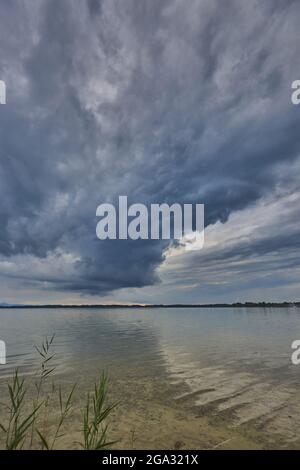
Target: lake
186, 378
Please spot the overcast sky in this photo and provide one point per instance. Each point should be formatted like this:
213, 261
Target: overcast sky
183, 101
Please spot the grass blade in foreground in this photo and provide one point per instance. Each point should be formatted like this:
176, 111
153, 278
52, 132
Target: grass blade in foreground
94, 416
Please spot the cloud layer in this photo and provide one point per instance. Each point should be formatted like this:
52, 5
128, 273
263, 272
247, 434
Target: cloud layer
161, 101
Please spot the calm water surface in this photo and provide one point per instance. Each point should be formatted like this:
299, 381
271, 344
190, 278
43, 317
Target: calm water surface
176, 367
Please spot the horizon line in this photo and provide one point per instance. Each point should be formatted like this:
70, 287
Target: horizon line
162, 305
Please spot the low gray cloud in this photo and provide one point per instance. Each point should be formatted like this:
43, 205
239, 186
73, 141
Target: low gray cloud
163, 101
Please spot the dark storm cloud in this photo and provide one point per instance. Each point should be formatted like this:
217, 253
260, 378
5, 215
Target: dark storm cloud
163, 101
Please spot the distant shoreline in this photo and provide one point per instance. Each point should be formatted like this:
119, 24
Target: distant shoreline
153, 306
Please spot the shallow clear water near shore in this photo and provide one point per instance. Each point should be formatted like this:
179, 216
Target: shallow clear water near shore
184, 378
